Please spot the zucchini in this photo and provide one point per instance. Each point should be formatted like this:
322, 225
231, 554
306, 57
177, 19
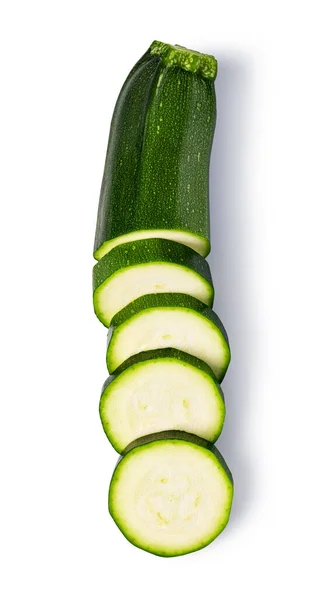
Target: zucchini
146, 266
169, 321
171, 493
155, 181
160, 390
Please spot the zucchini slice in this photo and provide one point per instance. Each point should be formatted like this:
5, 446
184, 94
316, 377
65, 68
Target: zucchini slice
171, 493
160, 390
169, 321
148, 266
155, 181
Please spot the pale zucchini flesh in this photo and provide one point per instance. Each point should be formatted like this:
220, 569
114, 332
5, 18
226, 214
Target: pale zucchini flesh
172, 390
170, 327
132, 282
148, 266
192, 240
171, 495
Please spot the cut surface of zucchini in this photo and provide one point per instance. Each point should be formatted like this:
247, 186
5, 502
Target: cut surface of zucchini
196, 242
148, 266
161, 390
171, 493
169, 321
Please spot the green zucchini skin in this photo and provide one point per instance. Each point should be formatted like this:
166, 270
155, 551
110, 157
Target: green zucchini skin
119, 190
157, 163
163, 353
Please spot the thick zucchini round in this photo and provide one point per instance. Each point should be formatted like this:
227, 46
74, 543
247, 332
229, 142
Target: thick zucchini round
169, 321
155, 181
171, 493
148, 266
161, 390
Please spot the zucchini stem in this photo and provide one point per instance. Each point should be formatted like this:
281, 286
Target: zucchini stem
189, 60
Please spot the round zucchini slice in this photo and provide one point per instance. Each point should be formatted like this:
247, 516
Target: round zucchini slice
171, 493
160, 390
173, 320
148, 266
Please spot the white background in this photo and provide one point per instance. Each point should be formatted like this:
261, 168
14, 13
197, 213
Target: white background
62, 66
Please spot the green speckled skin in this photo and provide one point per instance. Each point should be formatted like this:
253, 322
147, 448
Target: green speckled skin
118, 196
174, 166
147, 251
157, 163
163, 353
